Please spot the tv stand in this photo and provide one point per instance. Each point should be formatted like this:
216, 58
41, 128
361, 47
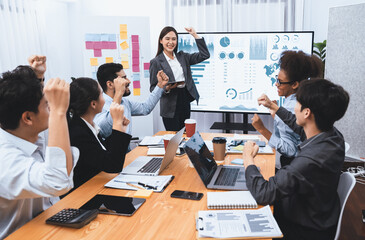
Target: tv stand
228, 126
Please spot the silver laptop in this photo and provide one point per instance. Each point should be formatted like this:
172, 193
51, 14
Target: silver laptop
212, 175
152, 166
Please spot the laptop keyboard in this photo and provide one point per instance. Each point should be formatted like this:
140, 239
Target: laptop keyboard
227, 177
151, 166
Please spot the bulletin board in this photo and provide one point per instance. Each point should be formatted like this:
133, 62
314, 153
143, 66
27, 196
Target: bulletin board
124, 40
345, 66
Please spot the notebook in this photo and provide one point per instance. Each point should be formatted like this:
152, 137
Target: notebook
212, 175
152, 166
230, 200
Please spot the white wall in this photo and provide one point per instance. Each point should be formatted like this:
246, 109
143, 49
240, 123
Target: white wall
65, 41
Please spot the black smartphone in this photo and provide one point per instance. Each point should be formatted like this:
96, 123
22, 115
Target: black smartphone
363, 216
187, 195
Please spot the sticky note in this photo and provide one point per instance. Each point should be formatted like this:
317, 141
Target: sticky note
136, 84
146, 74
94, 62
136, 91
136, 77
112, 37
97, 45
125, 64
135, 46
123, 35
112, 45
104, 37
124, 45
122, 27
124, 57
143, 193
109, 60
146, 66
97, 52
105, 45
135, 68
91, 37
135, 53
89, 45
135, 38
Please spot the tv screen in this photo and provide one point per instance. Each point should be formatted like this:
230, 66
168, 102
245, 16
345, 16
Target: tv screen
241, 67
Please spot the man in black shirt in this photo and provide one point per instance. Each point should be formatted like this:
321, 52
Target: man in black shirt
304, 193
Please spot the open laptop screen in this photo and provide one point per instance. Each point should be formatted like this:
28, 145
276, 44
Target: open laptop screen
200, 156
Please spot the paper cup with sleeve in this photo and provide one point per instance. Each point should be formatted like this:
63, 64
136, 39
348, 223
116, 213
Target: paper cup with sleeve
166, 138
190, 126
219, 148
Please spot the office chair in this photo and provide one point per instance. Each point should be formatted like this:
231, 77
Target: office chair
345, 186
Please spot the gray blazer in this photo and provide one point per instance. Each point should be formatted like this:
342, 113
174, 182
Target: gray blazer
168, 100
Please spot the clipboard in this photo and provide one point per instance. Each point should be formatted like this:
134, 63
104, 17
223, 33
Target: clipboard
199, 221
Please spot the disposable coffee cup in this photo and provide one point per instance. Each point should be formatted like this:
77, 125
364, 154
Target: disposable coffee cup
166, 139
190, 125
219, 148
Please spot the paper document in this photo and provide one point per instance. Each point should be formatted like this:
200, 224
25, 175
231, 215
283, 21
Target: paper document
238, 149
121, 182
151, 140
237, 223
262, 150
156, 151
246, 137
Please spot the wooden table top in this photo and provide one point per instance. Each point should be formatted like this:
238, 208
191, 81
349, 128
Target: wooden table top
160, 217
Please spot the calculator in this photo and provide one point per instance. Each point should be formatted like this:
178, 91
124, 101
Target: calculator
75, 218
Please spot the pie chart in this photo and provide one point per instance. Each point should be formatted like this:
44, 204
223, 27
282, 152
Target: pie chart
225, 42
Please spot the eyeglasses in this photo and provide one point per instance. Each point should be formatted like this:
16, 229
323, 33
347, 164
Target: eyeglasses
278, 82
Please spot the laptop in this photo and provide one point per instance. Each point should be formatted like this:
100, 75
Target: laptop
212, 175
152, 166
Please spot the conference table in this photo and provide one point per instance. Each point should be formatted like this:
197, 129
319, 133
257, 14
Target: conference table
160, 217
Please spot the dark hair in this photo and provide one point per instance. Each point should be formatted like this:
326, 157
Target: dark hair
20, 91
327, 101
108, 72
163, 33
82, 92
299, 66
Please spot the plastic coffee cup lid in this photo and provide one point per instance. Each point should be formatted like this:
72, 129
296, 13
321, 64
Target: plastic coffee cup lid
190, 121
168, 136
219, 140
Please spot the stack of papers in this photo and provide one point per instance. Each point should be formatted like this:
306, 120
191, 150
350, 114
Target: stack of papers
151, 140
156, 151
237, 223
126, 181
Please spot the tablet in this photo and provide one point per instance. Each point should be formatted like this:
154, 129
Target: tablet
106, 204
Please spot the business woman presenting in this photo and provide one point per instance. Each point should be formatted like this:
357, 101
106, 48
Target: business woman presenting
175, 101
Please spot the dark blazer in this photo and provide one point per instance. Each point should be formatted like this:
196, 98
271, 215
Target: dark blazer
168, 100
93, 158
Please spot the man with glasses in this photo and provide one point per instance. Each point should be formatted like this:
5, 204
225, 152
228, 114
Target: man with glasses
294, 67
115, 85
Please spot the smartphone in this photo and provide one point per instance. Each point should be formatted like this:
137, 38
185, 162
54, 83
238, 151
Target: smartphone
363, 216
187, 195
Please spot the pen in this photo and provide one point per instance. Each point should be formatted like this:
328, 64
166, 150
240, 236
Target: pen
130, 184
146, 185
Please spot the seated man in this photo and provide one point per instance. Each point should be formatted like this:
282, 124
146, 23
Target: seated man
115, 83
304, 193
31, 173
